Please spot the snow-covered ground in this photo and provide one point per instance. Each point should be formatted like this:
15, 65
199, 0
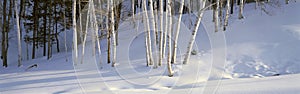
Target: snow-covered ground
254, 49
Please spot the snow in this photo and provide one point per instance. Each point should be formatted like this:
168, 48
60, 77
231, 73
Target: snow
243, 60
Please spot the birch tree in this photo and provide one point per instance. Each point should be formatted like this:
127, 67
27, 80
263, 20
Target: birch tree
108, 28
65, 31
166, 29
49, 34
80, 21
216, 15
241, 9
154, 31
96, 33
170, 71
75, 33
19, 36
177, 32
133, 12
227, 14
86, 30
161, 32
194, 34
148, 36
113, 33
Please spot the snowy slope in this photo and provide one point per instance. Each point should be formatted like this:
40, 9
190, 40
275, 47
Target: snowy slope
62, 79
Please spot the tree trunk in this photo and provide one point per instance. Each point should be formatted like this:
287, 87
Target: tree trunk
50, 33
21, 15
108, 31
75, 33
133, 12
45, 29
65, 29
216, 15
3, 49
36, 22
194, 34
227, 15
117, 11
80, 22
231, 6
113, 34
161, 32
169, 39
85, 31
149, 47
152, 19
177, 32
56, 26
241, 9
166, 28
19, 36
95, 25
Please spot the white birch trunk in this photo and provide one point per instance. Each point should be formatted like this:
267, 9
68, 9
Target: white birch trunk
65, 33
95, 26
216, 15
170, 71
80, 21
86, 30
194, 34
19, 36
113, 34
241, 9
149, 47
146, 39
108, 31
161, 32
256, 4
227, 14
75, 33
92, 24
154, 32
133, 13
177, 32
166, 30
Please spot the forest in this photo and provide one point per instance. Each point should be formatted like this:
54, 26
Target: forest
40, 23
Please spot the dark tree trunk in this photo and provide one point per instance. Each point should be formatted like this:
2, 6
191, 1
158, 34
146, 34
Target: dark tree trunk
118, 18
49, 33
36, 22
21, 14
108, 46
45, 30
231, 6
56, 26
3, 49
